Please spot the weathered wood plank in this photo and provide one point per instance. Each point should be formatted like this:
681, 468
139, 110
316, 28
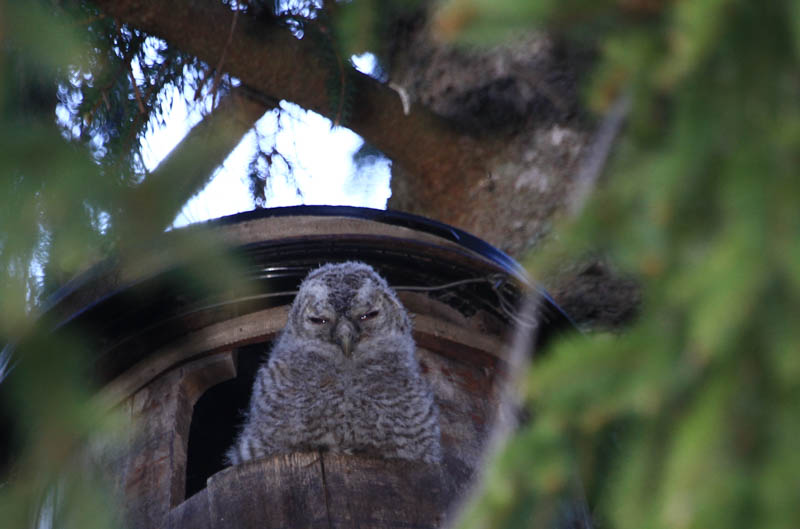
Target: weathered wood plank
458, 341
319, 491
467, 407
107, 453
227, 334
153, 456
375, 493
155, 469
284, 491
207, 372
193, 513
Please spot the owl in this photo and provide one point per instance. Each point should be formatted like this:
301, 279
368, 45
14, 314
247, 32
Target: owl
342, 376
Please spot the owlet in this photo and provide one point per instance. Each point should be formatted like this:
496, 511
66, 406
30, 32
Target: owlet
342, 376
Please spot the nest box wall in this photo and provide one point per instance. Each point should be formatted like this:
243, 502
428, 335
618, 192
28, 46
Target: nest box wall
180, 366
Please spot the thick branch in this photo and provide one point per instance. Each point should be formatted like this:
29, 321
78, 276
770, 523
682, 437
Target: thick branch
271, 60
191, 164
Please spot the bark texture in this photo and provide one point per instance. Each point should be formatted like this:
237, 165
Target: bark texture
521, 101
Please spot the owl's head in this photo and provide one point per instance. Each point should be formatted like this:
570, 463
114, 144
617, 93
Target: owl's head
348, 309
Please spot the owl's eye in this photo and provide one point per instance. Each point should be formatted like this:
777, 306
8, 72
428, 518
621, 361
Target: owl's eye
317, 321
368, 315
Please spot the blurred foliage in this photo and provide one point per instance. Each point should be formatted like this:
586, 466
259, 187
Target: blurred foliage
44, 217
688, 419
51, 481
368, 25
70, 131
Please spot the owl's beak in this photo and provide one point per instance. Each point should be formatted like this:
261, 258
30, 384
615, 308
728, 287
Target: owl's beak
345, 334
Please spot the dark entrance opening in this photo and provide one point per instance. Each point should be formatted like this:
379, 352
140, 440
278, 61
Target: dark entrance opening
217, 417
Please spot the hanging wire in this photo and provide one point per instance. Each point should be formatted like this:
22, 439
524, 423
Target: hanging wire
498, 284
444, 286
495, 281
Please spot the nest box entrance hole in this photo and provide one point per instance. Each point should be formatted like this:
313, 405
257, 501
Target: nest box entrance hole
217, 416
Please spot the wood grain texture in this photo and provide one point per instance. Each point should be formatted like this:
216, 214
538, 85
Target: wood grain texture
227, 334
284, 491
194, 513
156, 452
368, 492
155, 468
319, 491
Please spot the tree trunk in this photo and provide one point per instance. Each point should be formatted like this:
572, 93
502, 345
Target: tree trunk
520, 101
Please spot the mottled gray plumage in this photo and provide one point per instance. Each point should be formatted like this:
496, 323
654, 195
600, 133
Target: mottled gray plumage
342, 376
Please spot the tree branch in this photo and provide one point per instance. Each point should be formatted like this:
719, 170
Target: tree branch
269, 59
189, 166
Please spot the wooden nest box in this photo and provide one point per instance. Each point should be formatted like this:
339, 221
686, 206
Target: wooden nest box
179, 362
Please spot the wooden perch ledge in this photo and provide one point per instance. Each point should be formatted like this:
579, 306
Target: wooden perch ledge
318, 490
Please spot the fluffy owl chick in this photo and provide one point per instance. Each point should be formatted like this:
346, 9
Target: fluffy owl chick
342, 376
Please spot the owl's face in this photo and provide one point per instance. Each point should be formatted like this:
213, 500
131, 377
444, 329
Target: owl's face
347, 310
